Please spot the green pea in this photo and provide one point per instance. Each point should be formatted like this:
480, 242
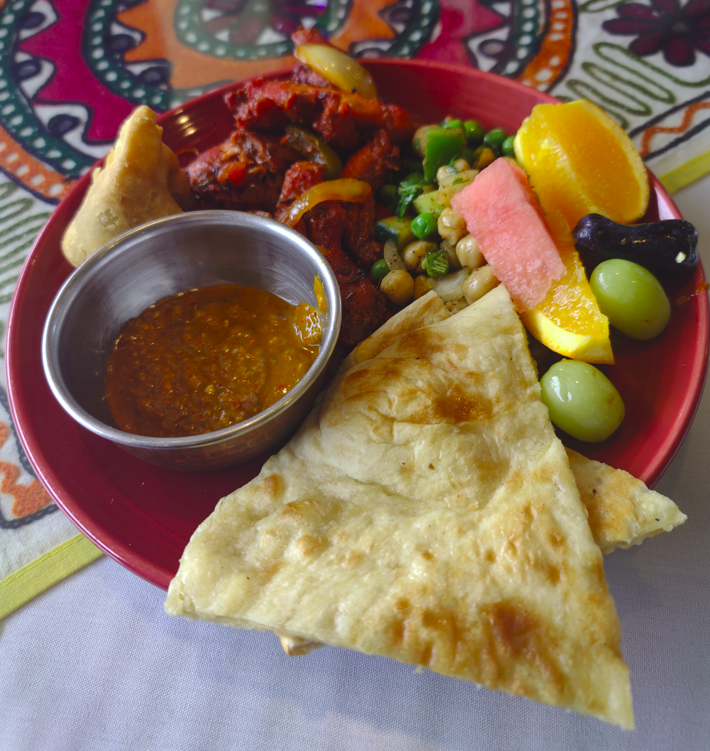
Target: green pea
631, 298
379, 270
424, 225
494, 138
474, 132
582, 401
507, 147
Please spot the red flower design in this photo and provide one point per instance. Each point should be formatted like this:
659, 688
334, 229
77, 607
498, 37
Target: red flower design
665, 26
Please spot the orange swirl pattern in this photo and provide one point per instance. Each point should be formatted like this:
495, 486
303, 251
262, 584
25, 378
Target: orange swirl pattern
556, 47
37, 176
676, 129
28, 498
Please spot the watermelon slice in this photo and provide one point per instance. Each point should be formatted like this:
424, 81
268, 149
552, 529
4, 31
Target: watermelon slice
502, 213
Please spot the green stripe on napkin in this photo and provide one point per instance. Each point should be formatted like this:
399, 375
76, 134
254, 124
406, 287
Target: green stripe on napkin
42, 573
687, 173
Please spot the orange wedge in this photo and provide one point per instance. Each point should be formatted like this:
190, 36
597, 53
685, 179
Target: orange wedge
579, 161
568, 320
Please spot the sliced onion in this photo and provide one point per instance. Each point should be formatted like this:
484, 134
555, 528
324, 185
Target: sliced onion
450, 287
340, 69
346, 189
392, 257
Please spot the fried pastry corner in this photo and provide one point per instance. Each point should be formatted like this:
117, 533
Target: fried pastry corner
141, 181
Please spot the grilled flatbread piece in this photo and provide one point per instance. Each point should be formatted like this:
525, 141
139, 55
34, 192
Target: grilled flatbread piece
622, 510
426, 512
422, 312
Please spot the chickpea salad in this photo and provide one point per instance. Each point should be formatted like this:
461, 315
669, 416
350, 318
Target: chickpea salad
426, 243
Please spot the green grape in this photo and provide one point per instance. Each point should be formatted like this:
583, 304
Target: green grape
582, 401
631, 298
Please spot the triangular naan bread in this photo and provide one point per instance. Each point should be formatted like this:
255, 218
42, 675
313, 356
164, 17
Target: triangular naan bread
622, 510
426, 512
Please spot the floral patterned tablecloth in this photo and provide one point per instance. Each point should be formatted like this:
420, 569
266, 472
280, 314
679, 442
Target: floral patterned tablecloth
72, 70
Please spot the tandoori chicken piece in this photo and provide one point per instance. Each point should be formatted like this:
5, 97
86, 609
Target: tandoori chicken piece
245, 172
350, 226
272, 159
300, 177
343, 120
335, 226
374, 162
364, 306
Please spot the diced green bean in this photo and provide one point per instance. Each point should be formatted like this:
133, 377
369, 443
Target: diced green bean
436, 263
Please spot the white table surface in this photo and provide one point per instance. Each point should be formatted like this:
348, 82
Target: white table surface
94, 663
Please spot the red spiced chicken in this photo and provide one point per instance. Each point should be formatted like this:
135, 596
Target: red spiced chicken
312, 156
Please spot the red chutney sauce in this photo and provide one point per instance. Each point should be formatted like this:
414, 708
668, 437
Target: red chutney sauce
208, 358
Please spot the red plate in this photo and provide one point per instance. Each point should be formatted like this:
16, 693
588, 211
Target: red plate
143, 515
